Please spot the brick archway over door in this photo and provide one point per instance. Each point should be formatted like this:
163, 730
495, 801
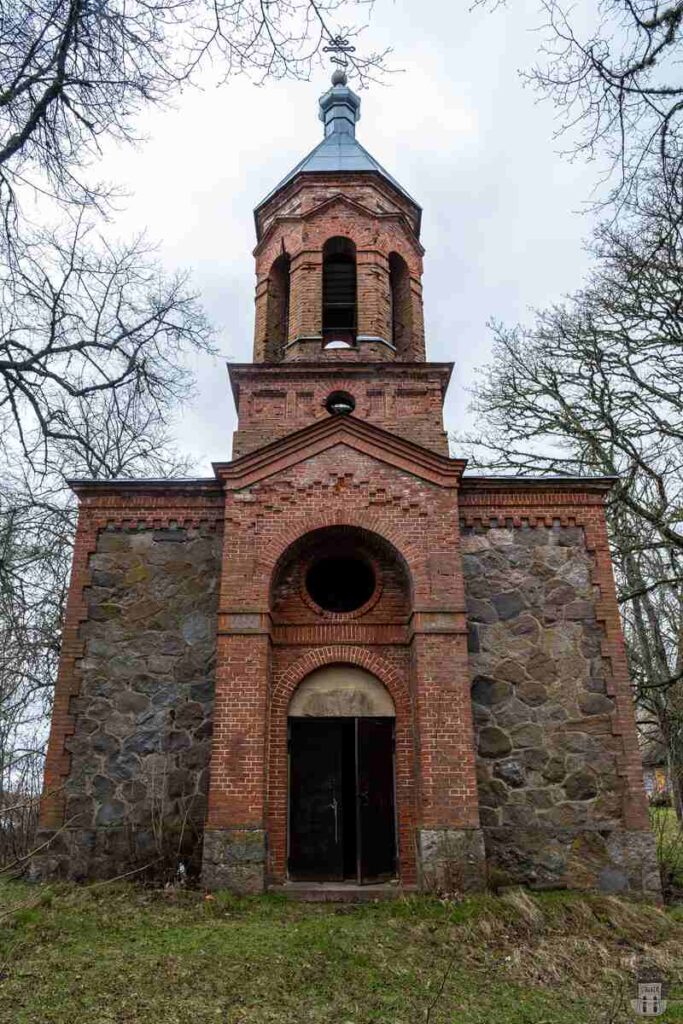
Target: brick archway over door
283, 688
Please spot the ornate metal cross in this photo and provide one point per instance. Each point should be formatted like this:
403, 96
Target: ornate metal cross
340, 48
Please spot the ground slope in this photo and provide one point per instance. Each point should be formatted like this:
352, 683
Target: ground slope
117, 954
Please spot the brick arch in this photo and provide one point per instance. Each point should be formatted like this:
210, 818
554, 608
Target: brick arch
339, 654
274, 550
282, 689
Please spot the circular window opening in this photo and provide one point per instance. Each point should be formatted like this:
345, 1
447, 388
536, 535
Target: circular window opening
340, 403
340, 584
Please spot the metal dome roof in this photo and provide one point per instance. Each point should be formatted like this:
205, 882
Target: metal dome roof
339, 150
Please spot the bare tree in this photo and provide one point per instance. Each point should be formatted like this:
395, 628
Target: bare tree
75, 73
612, 69
79, 317
595, 385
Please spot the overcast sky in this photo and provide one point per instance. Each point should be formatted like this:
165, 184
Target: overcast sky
503, 225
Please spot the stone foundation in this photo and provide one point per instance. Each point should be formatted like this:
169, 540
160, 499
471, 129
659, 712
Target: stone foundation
451, 860
616, 861
80, 854
235, 859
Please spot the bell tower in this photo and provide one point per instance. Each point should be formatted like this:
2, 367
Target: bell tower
338, 297
356, 291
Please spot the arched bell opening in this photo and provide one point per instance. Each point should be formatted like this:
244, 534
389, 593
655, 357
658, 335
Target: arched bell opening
277, 308
341, 800
339, 313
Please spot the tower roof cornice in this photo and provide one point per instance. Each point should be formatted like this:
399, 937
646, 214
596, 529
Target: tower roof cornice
331, 200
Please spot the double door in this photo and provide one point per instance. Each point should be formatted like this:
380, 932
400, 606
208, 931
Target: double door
341, 799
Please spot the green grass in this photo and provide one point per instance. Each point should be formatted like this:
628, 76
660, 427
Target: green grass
117, 954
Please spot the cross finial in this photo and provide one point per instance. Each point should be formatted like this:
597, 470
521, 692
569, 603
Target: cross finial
340, 48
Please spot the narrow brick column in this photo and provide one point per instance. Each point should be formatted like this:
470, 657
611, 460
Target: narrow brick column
373, 295
450, 843
449, 839
234, 855
235, 839
306, 296
635, 807
58, 759
261, 320
418, 325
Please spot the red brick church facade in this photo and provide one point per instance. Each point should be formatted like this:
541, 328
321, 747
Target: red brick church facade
339, 659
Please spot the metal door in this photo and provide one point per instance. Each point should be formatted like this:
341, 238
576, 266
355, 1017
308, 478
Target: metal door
316, 822
375, 786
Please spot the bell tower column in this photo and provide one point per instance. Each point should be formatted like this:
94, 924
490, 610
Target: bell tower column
306, 299
449, 839
374, 298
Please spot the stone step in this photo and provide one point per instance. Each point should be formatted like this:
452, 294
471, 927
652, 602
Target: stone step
341, 892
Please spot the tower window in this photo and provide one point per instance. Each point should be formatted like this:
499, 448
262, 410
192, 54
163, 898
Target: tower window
339, 289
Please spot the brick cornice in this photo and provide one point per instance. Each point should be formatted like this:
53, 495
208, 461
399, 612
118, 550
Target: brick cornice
530, 500
305, 180
364, 437
340, 198
276, 373
149, 503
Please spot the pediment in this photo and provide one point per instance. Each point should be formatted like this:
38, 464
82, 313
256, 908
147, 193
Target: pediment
341, 199
365, 438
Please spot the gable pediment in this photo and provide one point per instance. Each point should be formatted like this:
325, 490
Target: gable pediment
365, 438
353, 205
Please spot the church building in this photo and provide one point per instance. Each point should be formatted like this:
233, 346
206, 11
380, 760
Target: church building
341, 661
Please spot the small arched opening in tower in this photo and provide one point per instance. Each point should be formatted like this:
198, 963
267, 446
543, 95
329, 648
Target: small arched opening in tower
401, 306
278, 309
339, 293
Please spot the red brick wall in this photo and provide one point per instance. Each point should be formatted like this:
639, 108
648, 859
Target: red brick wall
379, 222
415, 641
406, 401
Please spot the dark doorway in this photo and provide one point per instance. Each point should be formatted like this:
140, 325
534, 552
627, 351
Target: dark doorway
341, 799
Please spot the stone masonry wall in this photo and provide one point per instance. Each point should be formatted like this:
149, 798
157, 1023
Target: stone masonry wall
143, 716
547, 757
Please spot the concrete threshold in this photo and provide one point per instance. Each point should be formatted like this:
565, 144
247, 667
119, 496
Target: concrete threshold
341, 892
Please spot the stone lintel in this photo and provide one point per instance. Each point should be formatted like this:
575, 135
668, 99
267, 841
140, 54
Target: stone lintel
438, 621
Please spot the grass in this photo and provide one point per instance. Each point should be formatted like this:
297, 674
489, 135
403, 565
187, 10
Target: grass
117, 954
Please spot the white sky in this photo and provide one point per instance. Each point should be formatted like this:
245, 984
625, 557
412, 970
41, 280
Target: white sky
502, 222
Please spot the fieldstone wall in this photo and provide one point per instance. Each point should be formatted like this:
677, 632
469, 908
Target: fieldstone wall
550, 795
138, 783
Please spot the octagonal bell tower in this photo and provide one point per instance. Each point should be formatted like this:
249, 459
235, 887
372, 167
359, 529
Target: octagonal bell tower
338, 260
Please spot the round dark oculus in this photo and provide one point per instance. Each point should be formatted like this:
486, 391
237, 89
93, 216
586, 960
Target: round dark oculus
337, 584
340, 403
